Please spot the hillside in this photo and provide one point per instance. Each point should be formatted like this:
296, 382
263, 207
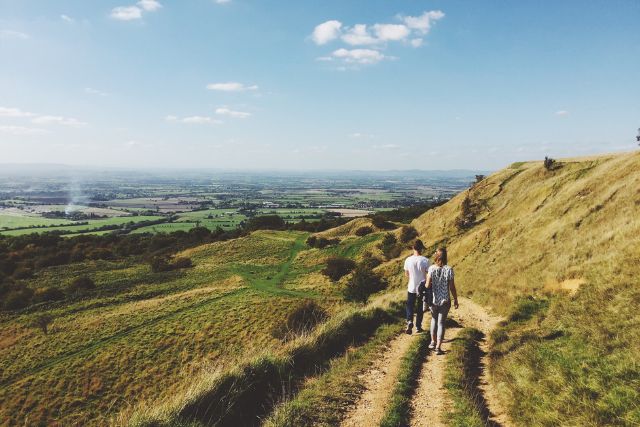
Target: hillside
557, 252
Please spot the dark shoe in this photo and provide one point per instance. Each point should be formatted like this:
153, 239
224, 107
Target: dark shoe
439, 351
419, 330
409, 328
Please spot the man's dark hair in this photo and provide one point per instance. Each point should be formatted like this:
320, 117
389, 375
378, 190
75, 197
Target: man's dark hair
418, 245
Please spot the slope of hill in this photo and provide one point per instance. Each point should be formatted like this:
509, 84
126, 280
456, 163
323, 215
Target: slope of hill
558, 252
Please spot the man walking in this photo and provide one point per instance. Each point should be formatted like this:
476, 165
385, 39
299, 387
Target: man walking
415, 268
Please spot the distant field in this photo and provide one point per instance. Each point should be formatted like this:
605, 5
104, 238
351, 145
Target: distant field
18, 221
92, 224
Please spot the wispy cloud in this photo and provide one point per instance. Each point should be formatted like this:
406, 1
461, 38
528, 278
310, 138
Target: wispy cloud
134, 12
92, 91
386, 147
11, 34
21, 130
223, 1
40, 119
562, 113
359, 56
224, 111
194, 120
67, 18
231, 87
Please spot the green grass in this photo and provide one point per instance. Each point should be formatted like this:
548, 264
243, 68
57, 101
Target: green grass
92, 224
399, 409
323, 398
461, 381
19, 221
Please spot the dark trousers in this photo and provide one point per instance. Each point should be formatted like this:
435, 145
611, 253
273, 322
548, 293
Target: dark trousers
412, 299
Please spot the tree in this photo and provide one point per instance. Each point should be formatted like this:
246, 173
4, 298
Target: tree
43, 321
389, 246
549, 163
467, 215
337, 267
408, 233
362, 284
479, 178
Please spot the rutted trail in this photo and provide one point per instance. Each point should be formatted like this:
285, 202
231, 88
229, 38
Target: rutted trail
430, 403
378, 382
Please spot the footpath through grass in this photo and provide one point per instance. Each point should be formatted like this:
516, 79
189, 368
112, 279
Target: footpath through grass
399, 409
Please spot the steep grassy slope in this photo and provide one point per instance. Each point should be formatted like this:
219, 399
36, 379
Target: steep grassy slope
558, 251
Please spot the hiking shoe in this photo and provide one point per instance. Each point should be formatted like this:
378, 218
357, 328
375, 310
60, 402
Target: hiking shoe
419, 330
409, 328
432, 346
439, 351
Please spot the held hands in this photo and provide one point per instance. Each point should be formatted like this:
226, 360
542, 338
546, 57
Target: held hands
455, 304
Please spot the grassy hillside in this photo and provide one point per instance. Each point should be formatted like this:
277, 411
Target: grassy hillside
557, 251
142, 335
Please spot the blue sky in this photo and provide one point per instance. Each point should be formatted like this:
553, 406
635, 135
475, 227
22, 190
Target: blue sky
370, 84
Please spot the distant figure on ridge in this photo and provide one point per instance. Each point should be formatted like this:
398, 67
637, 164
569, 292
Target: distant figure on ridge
440, 279
415, 268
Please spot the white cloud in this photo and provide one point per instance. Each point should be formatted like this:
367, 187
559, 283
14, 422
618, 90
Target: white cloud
92, 91
359, 35
10, 34
360, 135
231, 87
14, 112
359, 56
562, 113
149, 5
416, 42
326, 32
422, 23
58, 120
21, 130
391, 32
126, 13
224, 111
194, 120
223, 1
67, 18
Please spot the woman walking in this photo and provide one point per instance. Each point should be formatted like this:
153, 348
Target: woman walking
440, 278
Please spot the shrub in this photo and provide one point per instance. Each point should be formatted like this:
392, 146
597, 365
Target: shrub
266, 222
380, 222
302, 319
159, 264
321, 242
48, 294
82, 284
408, 233
362, 284
369, 261
549, 163
338, 267
467, 215
182, 262
389, 246
363, 231
479, 178
17, 299
43, 322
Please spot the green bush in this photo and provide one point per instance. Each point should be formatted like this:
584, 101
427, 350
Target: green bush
389, 246
82, 284
302, 319
362, 284
408, 233
338, 267
48, 294
363, 231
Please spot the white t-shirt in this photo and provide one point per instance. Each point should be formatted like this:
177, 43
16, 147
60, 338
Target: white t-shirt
417, 267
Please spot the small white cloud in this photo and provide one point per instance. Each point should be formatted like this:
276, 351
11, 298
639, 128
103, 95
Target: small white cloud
126, 13
223, 1
359, 56
92, 91
224, 111
326, 32
58, 120
391, 32
10, 34
360, 135
149, 5
562, 113
416, 42
422, 23
231, 87
359, 35
67, 18
194, 120
171, 118
14, 113
21, 130
324, 59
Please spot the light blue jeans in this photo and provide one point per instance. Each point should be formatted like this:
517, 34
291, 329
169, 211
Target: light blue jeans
438, 318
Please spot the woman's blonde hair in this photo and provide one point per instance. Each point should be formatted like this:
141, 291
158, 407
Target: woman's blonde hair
441, 256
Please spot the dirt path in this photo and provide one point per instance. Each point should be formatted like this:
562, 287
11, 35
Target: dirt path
378, 382
474, 315
431, 400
